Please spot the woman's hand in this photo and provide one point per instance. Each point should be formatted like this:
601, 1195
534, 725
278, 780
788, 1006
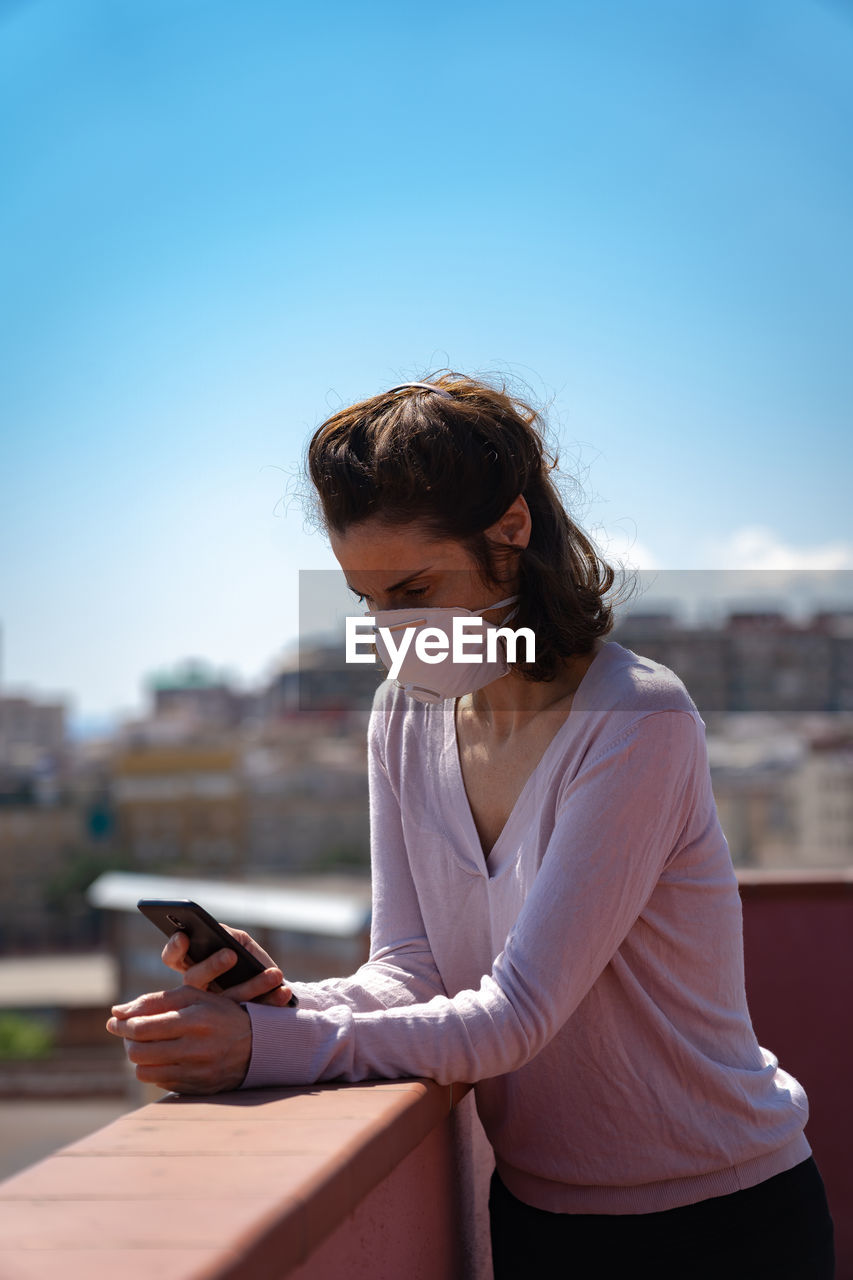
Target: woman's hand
186, 1040
265, 988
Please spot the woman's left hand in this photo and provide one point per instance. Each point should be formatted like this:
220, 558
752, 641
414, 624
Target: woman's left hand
186, 1040
268, 987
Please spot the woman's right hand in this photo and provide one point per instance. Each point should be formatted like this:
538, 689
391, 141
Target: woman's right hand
268, 987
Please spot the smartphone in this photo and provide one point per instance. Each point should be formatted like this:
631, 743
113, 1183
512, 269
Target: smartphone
205, 934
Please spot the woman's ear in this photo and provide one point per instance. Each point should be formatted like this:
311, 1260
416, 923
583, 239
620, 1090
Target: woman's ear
514, 526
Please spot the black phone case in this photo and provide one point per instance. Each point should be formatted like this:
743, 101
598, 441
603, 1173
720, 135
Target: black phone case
206, 935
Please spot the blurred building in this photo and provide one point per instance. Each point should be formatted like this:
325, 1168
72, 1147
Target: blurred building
755, 762
181, 805
197, 698
757, 661
784, 788
282, 787
33, 750
306, 795
318, 679
294, 800
41, 831
29, 730
37, 845
824, 794
63, 1000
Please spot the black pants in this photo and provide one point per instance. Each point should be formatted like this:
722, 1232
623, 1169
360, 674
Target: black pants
778, 1230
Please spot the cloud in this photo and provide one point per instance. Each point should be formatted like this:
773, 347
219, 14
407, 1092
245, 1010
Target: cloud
757, 547
751, 549
621, 547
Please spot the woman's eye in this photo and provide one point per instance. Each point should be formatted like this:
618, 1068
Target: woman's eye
413, 593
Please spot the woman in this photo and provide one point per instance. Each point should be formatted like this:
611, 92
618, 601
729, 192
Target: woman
556, 917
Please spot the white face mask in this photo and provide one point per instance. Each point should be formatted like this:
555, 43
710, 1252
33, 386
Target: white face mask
435, 681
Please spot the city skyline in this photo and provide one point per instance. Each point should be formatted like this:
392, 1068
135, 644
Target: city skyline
660, 606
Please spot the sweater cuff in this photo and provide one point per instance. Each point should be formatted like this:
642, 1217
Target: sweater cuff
281, 1051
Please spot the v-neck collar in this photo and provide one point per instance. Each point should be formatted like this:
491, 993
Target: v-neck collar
496, 863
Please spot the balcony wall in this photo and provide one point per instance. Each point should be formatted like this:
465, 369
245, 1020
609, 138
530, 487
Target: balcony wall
372, 1182
798, 947
388, 1178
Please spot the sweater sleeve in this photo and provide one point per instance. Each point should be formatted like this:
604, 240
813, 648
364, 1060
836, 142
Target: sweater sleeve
401, 969
619, 822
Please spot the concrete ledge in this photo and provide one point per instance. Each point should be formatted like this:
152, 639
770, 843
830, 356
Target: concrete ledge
794, 882
239, 1185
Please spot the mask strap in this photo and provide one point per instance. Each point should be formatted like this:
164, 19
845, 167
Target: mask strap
487, 607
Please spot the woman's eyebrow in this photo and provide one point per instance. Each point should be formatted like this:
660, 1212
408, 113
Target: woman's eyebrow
397, 585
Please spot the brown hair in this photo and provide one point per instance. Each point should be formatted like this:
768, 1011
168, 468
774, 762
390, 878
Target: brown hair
453, 465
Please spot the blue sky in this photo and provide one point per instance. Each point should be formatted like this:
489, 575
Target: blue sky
220, 222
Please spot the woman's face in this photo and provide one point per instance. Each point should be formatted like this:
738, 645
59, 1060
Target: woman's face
398, 566
395, 567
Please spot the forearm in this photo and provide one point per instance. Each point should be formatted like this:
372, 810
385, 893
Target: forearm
383, 982
474, 1035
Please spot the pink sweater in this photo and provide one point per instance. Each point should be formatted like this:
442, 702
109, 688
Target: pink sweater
589, 979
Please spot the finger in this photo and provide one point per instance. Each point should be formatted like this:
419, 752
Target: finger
269, 980
164, 1075
160, 1026
157, 1002
207, 971
239, 935
174, 954
254, 948
282, 997
158, 1052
